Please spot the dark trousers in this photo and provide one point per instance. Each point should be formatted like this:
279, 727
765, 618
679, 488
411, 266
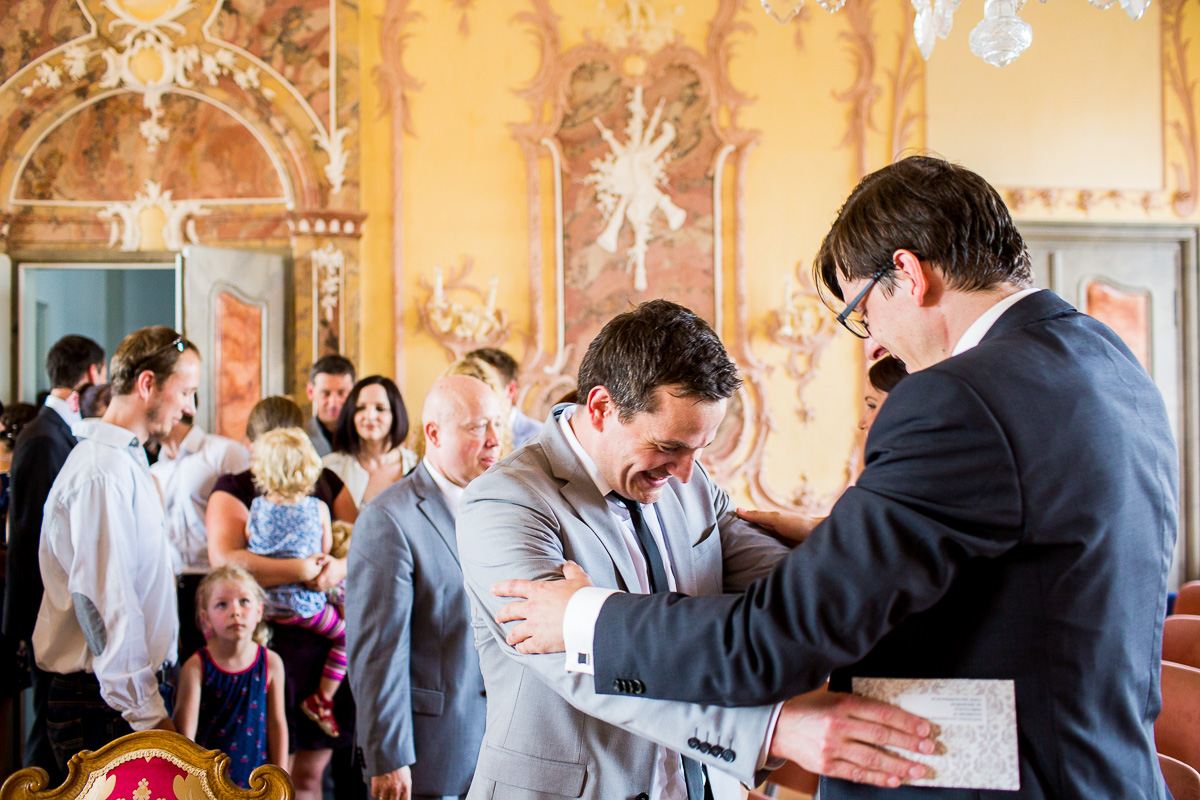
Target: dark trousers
77, 718
38, 750
190, 637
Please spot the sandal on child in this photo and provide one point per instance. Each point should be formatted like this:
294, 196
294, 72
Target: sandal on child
320, 711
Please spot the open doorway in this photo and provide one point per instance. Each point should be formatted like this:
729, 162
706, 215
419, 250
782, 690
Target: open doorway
103, 301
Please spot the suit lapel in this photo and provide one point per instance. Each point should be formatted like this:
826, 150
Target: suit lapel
1034, 308
581, 494
675, 531
432, 503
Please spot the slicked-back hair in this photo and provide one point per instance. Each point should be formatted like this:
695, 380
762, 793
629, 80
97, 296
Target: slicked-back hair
940, 212
659, 343
68, 361
499, 360
331, 365
146, 349
345, 434
885, 373
273, 412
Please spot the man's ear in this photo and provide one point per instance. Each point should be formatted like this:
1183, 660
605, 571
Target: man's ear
144, 385
308, 391
511, 391
599, 405
913, 278
431, 433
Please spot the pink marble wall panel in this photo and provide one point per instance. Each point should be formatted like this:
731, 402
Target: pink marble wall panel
1127, 313
238, 366
292, 37
34, 27
98, 154
679, 264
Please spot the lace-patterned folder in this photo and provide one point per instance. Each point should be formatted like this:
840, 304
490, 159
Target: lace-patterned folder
978, 728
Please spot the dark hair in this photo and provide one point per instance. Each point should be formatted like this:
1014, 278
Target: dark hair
155, 348
271, 413
15, 417
331, 365
659, 343
94, 399
68, 361
500, 361
941, 212
885, 373
345, 435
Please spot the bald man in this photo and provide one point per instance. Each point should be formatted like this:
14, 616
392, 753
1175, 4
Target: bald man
413, 666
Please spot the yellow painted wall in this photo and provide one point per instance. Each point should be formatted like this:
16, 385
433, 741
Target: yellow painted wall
464, 190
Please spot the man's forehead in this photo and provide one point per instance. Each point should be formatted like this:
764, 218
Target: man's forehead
328, 382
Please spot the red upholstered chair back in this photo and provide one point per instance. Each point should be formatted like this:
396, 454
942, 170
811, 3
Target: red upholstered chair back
1181, 640
1178, 724
1182, 780
149, 765
1188, 599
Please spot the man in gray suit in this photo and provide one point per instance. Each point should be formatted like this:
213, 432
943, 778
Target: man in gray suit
612, 484
412, 662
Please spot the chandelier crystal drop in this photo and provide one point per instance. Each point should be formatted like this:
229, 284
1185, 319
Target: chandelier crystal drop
999, 38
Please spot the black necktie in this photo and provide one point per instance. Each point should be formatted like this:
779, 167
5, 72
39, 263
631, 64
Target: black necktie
656, 572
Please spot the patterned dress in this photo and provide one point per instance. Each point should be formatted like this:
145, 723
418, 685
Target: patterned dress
287, 530
233, 714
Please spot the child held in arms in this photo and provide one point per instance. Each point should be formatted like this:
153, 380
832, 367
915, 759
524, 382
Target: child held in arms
286, 522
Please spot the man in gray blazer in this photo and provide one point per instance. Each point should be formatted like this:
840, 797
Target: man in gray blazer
612, 484
412, 662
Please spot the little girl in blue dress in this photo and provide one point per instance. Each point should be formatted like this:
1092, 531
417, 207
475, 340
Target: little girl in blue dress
231, 690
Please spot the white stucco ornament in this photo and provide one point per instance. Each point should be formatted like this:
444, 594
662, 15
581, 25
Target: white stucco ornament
631, 181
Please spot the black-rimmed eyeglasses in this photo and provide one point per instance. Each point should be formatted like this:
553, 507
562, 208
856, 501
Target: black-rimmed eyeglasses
178, 343
853, 319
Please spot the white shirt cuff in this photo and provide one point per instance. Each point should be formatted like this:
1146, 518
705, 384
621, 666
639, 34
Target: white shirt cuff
579, 627
148, 714
764, 757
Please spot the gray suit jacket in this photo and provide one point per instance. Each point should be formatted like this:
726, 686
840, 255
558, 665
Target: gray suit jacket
317, 437
412, 662
548, 733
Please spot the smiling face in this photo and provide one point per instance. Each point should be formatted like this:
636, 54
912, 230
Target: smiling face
233, 611
373, 414
167, 404
638, 457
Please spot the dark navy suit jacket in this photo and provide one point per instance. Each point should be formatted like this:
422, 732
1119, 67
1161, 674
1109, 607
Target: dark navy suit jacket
38, 456
1015, 519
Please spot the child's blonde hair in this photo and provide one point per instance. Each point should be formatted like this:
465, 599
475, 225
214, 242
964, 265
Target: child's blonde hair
236, 574
285, 463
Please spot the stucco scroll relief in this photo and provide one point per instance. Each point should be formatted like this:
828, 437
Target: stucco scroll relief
156, 54
630, 181
152, 220
328, 264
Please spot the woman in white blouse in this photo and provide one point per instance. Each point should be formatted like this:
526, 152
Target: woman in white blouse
367, 453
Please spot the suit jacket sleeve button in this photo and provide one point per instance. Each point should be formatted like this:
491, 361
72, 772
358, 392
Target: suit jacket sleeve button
717, 751
728, 756
617, 687
694, 743
642, 796
639, 687
705, 747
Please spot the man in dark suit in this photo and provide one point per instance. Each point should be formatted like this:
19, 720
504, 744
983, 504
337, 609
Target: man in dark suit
38, 455
413, 665
1015, 517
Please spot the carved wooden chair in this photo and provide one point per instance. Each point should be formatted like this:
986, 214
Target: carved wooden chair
1182, 780
1175, 732
148, 765
1188, 599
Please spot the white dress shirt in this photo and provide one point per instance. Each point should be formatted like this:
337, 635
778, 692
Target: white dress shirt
974, 334
109, 605
70, 415
355, 475
186, 482
451, 491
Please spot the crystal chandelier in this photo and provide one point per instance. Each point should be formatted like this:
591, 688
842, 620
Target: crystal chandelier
999, 38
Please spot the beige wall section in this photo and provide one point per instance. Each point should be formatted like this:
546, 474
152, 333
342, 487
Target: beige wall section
824, 106
1095, 124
